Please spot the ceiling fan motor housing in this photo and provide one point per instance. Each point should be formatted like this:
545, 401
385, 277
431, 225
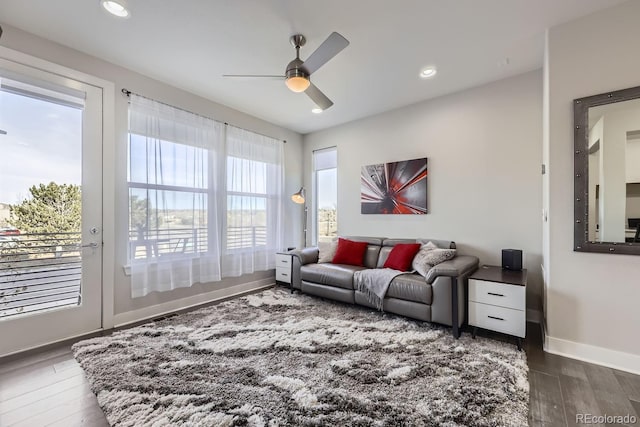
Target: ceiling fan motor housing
295, 69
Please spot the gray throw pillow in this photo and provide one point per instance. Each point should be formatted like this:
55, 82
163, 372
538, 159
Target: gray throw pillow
430, 255
327, 251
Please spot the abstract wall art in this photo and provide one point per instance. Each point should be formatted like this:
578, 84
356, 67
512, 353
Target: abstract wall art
394, 188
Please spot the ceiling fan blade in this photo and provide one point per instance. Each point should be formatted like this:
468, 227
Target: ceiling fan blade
258, 76
318, 97
329, 48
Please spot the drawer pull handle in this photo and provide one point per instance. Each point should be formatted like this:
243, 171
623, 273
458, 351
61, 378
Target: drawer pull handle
493, 317
495, 295
286, 261
284, 274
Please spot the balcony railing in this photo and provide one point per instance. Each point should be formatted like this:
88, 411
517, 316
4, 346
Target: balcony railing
175, 241
39, 272
166, 242
246, 237
44, 270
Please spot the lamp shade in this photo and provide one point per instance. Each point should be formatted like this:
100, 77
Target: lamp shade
299, 196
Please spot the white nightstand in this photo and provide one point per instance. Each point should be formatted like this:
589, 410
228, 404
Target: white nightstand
283, 268
498, 301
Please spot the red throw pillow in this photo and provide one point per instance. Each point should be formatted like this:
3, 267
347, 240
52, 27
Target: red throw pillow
350, 252
401, 256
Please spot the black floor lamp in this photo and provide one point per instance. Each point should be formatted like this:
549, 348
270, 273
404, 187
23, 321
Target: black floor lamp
300, 199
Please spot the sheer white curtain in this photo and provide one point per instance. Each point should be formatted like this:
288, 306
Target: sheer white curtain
172, 197
254, 175
205, 198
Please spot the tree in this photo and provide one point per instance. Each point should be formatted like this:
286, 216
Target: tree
52, 208
137, 212
142, 216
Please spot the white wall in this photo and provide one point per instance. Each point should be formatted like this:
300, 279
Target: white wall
484, 147
592, 299
125, 307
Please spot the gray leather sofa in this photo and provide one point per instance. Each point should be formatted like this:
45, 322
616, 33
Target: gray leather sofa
410, 294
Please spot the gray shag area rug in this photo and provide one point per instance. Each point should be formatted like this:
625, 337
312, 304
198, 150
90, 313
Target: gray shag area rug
275, 359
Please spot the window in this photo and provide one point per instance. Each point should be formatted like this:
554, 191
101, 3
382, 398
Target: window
246, 203
325, 165
205, 198
168, 197
254, 182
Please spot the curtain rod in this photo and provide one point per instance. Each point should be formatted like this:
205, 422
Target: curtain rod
128, 93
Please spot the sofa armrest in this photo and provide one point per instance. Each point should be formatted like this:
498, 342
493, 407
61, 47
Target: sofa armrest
461, 265
306, 255
300, 257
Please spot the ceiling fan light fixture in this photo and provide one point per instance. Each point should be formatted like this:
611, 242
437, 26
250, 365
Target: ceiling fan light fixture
297, 83
116, 7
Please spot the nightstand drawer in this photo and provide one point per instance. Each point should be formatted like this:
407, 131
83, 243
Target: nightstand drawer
283, 260
500, 294
283, 274
499, 319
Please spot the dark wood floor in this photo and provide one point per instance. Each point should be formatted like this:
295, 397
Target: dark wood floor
562, 388
49, 389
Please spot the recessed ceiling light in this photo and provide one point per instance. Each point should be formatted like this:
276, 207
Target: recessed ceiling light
317, 110
428, 72
116, 7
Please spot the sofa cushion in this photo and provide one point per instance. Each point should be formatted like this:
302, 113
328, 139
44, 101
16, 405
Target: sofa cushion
387, 247
338, 275
371, 256
350, 252
373, 250
430, 255
327, 250
401, 256
410, 287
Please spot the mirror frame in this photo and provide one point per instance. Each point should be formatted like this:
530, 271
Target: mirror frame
581, 242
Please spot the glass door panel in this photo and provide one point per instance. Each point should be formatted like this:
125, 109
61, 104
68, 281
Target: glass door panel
50, 207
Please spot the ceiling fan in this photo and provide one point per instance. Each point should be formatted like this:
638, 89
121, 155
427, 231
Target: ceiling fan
298, 72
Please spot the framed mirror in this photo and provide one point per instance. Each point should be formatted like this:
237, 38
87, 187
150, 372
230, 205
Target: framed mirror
607, 172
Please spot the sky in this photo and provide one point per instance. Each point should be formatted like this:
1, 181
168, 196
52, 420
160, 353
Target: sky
43, 144
327, 188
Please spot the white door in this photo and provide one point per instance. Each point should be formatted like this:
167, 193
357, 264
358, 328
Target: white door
50, 207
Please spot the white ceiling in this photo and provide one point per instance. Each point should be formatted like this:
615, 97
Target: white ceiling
190, 44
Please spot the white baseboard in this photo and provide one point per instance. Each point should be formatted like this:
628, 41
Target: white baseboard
150, 312
51, 343
534, 316
589, 353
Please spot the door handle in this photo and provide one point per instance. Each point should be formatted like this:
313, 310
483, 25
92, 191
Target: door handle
90, 245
